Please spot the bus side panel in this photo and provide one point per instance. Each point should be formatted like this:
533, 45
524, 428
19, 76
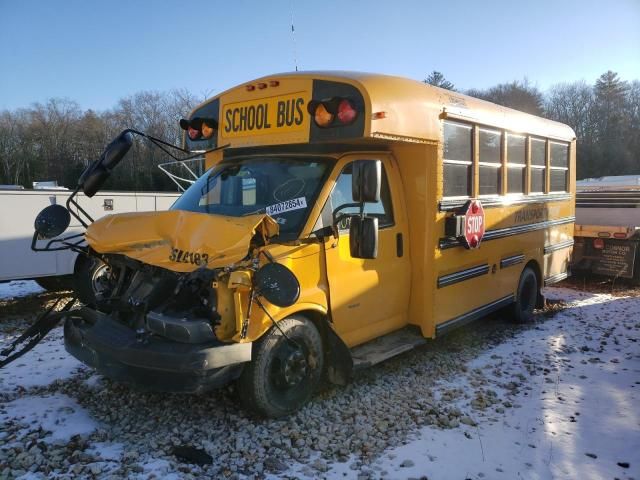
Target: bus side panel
468, 280
417, 163
558, 252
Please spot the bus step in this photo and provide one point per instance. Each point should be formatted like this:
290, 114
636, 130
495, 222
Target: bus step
383, 348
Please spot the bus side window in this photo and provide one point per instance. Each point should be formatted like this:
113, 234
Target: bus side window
490, 170
341, 195
457, 161
559, 167
538, 164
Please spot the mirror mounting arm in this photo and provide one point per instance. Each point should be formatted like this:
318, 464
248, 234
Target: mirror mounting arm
75, 246
337, 217
161, 144
71, 201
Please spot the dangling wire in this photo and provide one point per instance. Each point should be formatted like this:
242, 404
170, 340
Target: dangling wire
293, 39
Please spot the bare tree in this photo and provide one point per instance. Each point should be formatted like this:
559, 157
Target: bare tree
573, 104
519, 95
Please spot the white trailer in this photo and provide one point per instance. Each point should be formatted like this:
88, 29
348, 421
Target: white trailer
19, 208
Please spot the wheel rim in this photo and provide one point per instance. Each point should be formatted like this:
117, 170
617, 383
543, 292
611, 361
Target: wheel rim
289, 367
101, 279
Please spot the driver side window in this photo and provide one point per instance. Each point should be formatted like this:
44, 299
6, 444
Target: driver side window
341, 195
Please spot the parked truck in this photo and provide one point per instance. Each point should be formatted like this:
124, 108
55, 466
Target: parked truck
607, 231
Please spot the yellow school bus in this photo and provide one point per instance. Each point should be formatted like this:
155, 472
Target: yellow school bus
344, 218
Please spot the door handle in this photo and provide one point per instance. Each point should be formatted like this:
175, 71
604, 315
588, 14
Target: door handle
399, 245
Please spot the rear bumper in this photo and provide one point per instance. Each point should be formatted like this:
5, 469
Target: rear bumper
154, 363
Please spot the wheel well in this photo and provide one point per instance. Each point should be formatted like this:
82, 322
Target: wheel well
535, 266
338, 360
318, 318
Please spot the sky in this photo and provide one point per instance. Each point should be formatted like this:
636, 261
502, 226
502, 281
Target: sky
97, 52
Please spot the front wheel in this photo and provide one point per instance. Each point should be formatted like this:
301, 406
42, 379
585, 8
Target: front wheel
526, 296
284, 372
92, 279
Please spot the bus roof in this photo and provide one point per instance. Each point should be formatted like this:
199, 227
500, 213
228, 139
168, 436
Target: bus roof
413, 110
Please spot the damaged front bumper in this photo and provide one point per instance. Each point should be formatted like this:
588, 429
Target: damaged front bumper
153, 363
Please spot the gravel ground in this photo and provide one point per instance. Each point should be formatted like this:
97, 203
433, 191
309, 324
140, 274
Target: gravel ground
133, 434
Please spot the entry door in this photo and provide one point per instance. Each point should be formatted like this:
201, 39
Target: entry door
369, 297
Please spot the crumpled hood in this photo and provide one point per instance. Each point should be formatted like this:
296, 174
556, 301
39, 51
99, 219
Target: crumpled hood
179, 240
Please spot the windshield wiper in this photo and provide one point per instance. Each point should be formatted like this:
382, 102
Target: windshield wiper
255, 212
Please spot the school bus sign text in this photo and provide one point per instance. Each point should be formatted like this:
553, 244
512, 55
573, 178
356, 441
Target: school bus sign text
282, 114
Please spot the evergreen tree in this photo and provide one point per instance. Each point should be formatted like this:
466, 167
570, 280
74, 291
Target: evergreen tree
437, 79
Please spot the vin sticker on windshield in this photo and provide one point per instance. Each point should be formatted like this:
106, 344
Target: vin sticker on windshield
287, 206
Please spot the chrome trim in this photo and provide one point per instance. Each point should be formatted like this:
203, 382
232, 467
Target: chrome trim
473, 315
445, 243
462, 275
447, 205
558, 246
510, 261
555, 278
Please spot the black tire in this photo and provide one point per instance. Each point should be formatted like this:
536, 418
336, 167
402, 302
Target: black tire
56, 284
87, 276
526, 297
282, 376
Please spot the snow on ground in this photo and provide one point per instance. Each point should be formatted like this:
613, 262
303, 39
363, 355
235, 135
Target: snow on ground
19, 288
46, 363
577, 416
557, 401
57, 413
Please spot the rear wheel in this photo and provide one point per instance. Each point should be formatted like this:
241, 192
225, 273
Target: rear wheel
283, 373
526, 296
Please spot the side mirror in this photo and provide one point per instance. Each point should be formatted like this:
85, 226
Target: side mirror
366, 178
52, 221
94, 180
116, 150
97, 173
363, 237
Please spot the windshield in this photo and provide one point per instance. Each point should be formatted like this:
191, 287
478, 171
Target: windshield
283, 187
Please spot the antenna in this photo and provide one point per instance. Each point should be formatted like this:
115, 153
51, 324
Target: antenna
293, 39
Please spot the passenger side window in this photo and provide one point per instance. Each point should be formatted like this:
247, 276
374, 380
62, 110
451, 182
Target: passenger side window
538, 164
457, 164
559, 167
490, 162
516, 163
341, 195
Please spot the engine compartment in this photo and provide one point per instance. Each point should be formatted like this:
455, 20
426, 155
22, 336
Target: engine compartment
154, 301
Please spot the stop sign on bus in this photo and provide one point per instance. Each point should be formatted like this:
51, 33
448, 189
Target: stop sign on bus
474, 224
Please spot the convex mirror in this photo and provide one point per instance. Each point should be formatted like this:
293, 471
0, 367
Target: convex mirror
52, 221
